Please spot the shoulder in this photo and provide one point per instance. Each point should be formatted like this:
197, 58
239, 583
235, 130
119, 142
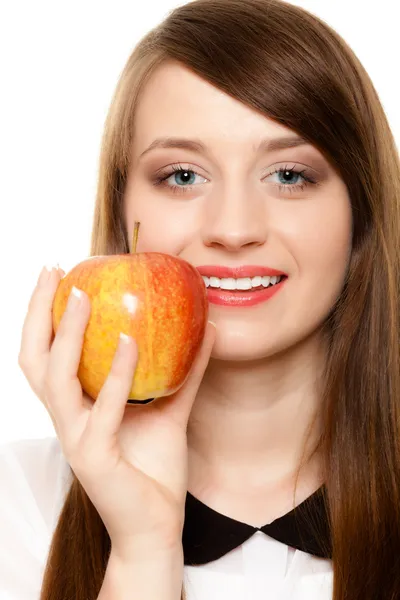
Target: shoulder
35, 477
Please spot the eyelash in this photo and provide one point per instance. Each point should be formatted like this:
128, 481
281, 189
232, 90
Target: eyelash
181, 189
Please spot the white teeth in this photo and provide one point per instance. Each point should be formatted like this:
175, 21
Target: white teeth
227, 283
242, 283
215, 282
265, 281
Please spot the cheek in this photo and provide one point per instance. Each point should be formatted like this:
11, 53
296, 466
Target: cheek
327, 244
321, 249
164, 226
318, 232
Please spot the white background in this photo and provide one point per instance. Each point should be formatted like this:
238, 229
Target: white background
60, 62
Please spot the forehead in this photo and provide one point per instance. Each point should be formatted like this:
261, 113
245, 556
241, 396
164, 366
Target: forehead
176, 102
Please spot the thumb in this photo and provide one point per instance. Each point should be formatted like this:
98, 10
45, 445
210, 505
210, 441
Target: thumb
179, 405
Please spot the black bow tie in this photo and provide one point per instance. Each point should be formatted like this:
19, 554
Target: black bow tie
208, 535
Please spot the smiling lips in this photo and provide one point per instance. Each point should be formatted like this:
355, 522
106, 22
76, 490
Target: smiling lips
241, 286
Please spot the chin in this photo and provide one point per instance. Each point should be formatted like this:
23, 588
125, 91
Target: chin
241, 348
256, 343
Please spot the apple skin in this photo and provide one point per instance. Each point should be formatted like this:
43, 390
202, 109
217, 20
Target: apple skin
158, 299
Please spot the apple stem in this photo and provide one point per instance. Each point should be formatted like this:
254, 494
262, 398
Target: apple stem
135, 236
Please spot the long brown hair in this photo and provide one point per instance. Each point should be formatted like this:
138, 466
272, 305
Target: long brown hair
291, 67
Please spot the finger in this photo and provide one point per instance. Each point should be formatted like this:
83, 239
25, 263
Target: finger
37, 330
63, 389
180, 404
108, 411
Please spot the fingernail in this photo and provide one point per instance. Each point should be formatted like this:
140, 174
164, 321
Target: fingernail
74, 299
124, 342
45, 274
213, 324
125, 339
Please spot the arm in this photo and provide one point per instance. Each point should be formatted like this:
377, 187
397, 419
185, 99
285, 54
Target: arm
153, 578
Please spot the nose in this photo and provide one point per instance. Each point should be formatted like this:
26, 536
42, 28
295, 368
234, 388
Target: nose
234, 219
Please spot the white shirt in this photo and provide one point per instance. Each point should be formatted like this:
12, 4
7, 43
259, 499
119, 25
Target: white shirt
34, 480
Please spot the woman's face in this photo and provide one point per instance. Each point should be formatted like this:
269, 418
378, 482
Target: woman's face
216, 198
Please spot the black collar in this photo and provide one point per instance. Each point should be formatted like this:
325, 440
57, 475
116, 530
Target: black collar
208, 534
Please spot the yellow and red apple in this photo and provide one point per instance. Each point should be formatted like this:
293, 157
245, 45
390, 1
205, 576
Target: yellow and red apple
158, 299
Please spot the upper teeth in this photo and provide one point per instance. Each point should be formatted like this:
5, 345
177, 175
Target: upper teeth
243, 283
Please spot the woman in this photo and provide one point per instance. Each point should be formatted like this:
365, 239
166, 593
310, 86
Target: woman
247, 139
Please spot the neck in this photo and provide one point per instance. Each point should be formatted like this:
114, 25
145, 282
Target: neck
252, 421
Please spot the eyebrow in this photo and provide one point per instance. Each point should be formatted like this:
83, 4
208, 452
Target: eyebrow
267, 145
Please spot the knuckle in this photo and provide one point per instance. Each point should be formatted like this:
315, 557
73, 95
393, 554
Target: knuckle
65, 326
117, 371
23, 361
66, 332
116, 383
71, 324
28, 366
32, 375
122, 367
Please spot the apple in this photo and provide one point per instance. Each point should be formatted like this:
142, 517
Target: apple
158, 299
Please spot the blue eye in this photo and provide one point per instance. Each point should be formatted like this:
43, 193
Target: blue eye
183, 179
286, 176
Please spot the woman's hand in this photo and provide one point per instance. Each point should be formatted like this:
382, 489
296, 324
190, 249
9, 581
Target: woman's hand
130, 459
